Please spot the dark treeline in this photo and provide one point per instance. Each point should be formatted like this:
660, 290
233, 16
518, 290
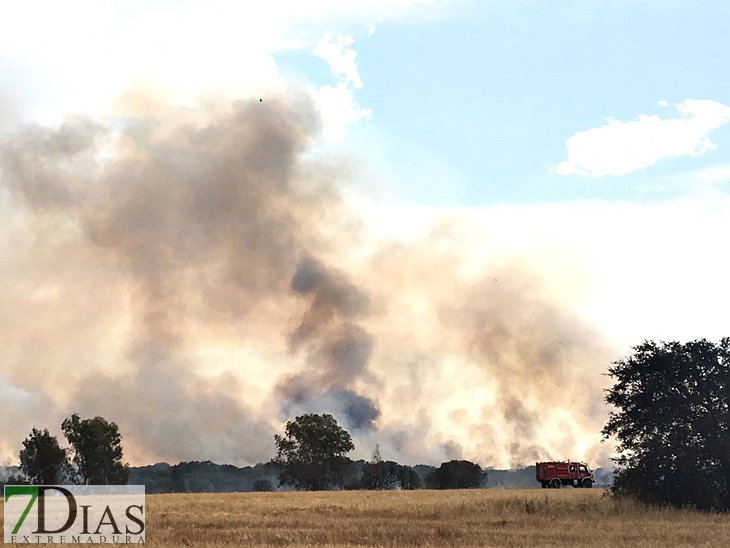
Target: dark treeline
208, 477
312, 456
204, 477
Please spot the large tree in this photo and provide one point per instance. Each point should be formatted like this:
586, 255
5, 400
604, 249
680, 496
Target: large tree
313, 452
96, 451
42, 460
672, 423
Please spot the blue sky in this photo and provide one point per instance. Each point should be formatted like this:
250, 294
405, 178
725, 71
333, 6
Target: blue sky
472, 102
495, 93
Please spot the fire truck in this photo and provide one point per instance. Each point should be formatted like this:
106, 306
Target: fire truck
554, 475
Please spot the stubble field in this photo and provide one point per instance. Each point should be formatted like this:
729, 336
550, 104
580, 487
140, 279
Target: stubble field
494, 517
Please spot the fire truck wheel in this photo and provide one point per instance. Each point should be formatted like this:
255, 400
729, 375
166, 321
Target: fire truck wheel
587, 484
544, 485
555, 484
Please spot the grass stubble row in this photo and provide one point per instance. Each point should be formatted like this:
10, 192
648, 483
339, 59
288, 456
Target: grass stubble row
518, 518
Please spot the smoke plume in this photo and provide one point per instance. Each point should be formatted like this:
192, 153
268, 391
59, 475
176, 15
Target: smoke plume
338, 349
197, 277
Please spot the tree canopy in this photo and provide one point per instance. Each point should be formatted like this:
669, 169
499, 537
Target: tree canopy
672, 423
313, 452
96, 450
456, 474
379, 474
42, 461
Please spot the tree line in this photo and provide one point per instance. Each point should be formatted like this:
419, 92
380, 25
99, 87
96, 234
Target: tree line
208, 477
312, 454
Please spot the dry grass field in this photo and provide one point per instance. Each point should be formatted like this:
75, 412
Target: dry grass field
511, 518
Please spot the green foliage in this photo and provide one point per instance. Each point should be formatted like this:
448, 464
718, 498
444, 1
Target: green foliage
96, 451
313, 452
196, 477
156, 478
42, 460
457, 474
408, 478
672, 423
379, 474
352, 475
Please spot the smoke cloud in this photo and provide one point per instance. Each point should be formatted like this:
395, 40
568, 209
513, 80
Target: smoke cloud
338, 349
197, 277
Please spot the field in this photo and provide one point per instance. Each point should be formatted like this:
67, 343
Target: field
493, 517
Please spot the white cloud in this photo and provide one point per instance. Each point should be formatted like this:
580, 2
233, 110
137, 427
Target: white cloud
340, 57
336, 103
79, 56
618, 148
338, 110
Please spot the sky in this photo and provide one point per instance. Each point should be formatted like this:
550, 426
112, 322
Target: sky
574, 155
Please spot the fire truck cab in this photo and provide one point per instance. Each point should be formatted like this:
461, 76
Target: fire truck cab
556, 474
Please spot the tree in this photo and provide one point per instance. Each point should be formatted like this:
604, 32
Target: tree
313, 452
409, 479
97, 451
456, 474
42, 460
672, 423
380, 474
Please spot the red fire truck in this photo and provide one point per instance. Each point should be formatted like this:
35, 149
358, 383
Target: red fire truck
556, 474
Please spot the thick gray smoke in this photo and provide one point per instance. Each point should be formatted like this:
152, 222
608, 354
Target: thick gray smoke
194, 278
200, 224
338, 349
